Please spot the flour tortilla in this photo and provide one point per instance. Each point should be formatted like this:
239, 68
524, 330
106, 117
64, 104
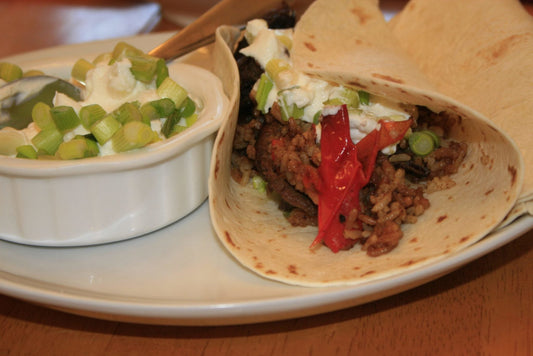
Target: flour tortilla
364, 53
479, 52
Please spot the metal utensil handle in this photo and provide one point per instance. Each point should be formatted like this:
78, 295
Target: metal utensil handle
202, 31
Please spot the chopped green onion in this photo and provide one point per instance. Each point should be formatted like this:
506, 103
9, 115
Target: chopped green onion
317, 116
263, 89
187, 108
75, 149
127, 112
165, 106
170, 122
364, 97
434, 136
32, 73
177, 129
421, 143
64, 117
161, 72
42, 117
80, 69
105, 128
172, 90
48, 140
143, 67
190, 120
91, 113
10, 139
103, 58
149, 113
132, 135
26, 151
274, 67
10, 71
123, 49
259, 184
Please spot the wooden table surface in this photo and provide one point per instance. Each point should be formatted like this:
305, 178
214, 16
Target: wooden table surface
484, 308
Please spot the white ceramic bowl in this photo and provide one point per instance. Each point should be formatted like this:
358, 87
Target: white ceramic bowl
111, 198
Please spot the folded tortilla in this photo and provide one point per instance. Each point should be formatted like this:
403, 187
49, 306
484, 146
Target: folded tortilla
348, 42
478, 52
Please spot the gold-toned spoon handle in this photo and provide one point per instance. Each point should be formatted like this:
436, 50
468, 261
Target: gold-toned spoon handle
202, 31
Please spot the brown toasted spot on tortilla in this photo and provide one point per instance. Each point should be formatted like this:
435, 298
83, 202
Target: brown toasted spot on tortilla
271, 272
501, 48
447, 251
217, 168
428, 97
465, 238
310, 65
413, 240
412, 262
446, 237
361, 15
367, 273
292, 269
467, 182
483, 217
229, 240
310, 46
357, 268
488, 192
441, 218
388, 78
512, 171
259, 265
357, 84
418, 248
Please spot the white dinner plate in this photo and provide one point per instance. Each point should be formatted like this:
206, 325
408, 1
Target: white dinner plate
181, 275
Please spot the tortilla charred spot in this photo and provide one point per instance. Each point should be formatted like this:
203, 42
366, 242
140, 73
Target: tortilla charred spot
259, 265
271, 272
292, 269
368, 273
489, 192
413, 240
388, 78
217, 168
310, 46
512, 172
361, 15
442, 218
465, 238
357, 85
229, 240
501, 48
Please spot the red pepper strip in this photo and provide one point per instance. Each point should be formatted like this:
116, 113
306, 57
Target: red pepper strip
345, 169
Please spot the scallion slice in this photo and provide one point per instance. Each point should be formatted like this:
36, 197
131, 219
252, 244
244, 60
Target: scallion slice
127, 112
74, 149
42, 117
26, 151
132, 135
364, 97
64, 117
91, 113
10, 71
263, 89
172, 90
421, 143
48, 140
105, 128
80, 69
